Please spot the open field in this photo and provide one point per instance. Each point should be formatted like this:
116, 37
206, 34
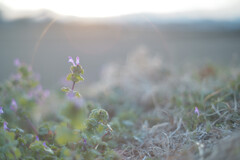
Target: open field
98, 44
150, 91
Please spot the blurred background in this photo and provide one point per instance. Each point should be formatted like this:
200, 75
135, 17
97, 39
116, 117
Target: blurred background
185, 34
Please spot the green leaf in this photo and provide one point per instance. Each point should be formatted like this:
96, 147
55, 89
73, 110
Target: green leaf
72, 69
43, 129
17, 130
65, 89
65, 135
29, 138
76, 78
36, 146
91, 124
101, 128
11, 135
77, 69
66, 152
69, 76
100, 115
24, 71
49, 150
82, 70
79, 78
21, 140
77, 94
17, 153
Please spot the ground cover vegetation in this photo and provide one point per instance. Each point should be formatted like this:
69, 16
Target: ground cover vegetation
142, 109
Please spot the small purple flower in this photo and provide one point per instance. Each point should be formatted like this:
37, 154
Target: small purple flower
44, 143
37, 138
1, 110
17, 62
196, 111
77, 60
70, 59
5, 127
14, 105
70, 95
85, 141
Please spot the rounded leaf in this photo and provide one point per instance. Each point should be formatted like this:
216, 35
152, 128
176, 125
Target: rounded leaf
69, 77
65, 89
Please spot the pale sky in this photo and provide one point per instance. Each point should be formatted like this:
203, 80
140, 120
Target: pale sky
109, 8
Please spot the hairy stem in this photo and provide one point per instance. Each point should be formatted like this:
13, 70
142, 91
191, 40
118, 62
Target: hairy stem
73, 85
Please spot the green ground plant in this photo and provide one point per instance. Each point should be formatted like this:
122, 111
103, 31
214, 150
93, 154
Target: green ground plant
79, 132
149, 112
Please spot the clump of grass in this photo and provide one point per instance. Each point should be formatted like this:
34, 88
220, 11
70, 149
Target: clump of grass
167, 126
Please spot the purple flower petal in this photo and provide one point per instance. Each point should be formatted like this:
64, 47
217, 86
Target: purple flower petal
1, 110
85, 141
14, 105
71, 60
37, 138
44, 143
196, 111
77, 60
5, 127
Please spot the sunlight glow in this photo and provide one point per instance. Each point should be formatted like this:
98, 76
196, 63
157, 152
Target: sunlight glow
107, 8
